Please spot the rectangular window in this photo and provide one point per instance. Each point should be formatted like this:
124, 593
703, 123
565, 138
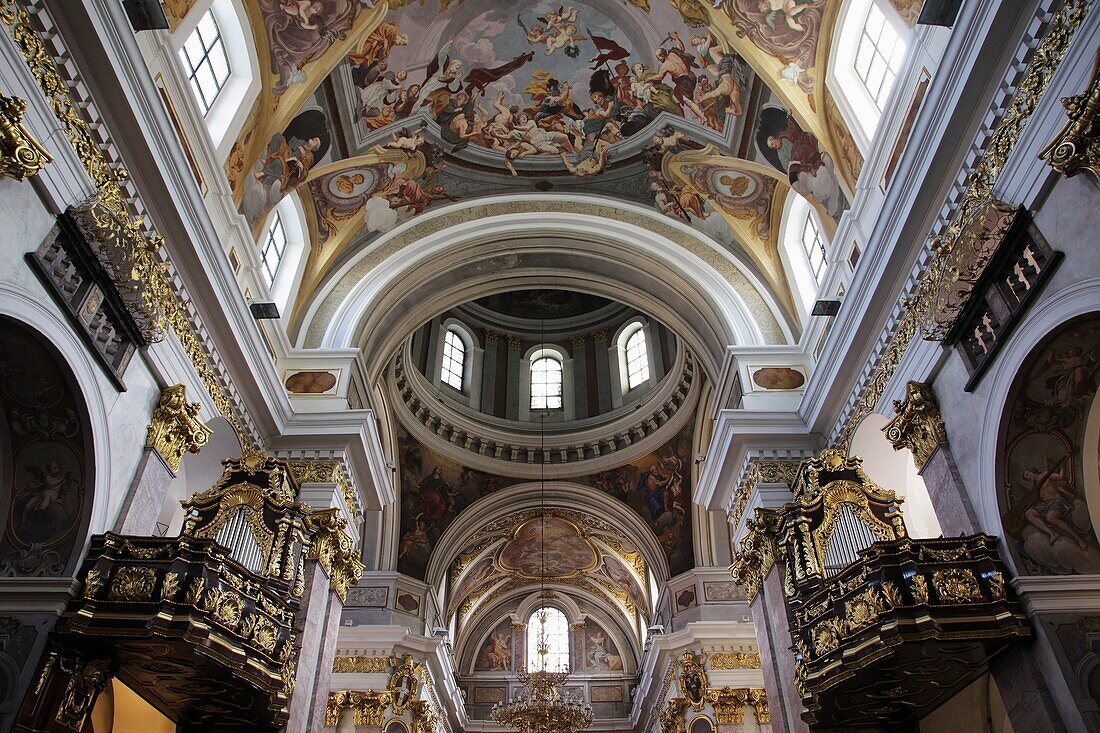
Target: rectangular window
205, 61
546, 384
272, 252
637, 359
814, 246
879, 56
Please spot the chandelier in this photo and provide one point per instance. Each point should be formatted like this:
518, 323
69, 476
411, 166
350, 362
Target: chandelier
541, 706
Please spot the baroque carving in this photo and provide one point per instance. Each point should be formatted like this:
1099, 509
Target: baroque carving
917, 424
20, 154
175, 427
334, 550
360, 664
133, 584
328, 472
757, 553
1076, 149
693, 679
728, 705
86, 681
735, 660
956, 586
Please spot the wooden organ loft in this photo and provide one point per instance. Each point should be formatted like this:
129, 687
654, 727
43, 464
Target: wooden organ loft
203, 626
884, 628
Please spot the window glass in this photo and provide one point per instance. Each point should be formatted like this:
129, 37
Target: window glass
637, 359
547, 641
205, 61
273, 249
546, 384
879, 56
454, 359
813, 244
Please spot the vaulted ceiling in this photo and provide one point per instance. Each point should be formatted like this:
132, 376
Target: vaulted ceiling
712, 113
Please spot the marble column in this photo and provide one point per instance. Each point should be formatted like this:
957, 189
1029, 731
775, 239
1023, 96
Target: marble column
773, 638
512, 404
580, 376
603, 370
489, 371
317, 624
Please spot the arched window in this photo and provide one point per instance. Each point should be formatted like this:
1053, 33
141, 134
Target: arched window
546, 382
547, 641
454, 359
206, 61
813, 244
637, 358
274, 248
878, 59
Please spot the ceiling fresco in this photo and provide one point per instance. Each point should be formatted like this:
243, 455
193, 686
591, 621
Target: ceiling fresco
436, 489
710, 112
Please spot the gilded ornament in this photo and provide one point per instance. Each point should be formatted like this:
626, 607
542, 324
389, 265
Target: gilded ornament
892, 594
673, 717
1076, 149
728, 705
997, 585
194, 590
863, 610
175, 427
956, 585
224, 606
917, 424
360, 664
133, 584
693, 679
328, 472
759, 699
170, 587
757, 553
369, 706
334, 550
734, 660
85, 683
334, 709
93, 581
827, 635
20, 154
918, 586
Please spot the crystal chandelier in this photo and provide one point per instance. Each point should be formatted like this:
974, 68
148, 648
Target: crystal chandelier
541, 706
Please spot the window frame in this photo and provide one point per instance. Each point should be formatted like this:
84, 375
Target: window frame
544, 356
208, 52
446, 359
897, 53
562, 635
275, 224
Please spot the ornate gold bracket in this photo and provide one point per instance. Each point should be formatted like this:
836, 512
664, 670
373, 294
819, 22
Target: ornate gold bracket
1076, 149
335, 551
917, 425
20, 154
175, 427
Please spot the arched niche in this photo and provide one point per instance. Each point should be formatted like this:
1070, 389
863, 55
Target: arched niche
47, 458
1047, 454
896, 470
198, 472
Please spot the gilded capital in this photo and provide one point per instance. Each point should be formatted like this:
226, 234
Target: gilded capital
327, 472
20, 154
334, 550
175, 427
1076, 149
917, 425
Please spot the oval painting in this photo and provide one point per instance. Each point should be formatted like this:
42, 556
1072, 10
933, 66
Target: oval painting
548, 547
778, 378
310, 382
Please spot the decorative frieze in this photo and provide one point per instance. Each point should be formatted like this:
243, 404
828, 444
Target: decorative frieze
917, 424
20, 154
361, 665
175, 427
735, 660
1076, 149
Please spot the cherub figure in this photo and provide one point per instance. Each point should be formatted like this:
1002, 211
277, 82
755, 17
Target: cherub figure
591, 162
785, 10
1052, 512
409, 142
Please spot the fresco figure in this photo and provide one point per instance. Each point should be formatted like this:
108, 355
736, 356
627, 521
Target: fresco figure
285, 164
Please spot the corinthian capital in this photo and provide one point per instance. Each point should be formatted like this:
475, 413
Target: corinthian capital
175, 427
917, 425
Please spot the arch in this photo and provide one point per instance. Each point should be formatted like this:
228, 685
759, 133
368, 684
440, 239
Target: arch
645, 361
471, 359
226, 116
32, 313
623, 252
555, 633
859, 108
1043, 457
552, 367
46, 448
896, 470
